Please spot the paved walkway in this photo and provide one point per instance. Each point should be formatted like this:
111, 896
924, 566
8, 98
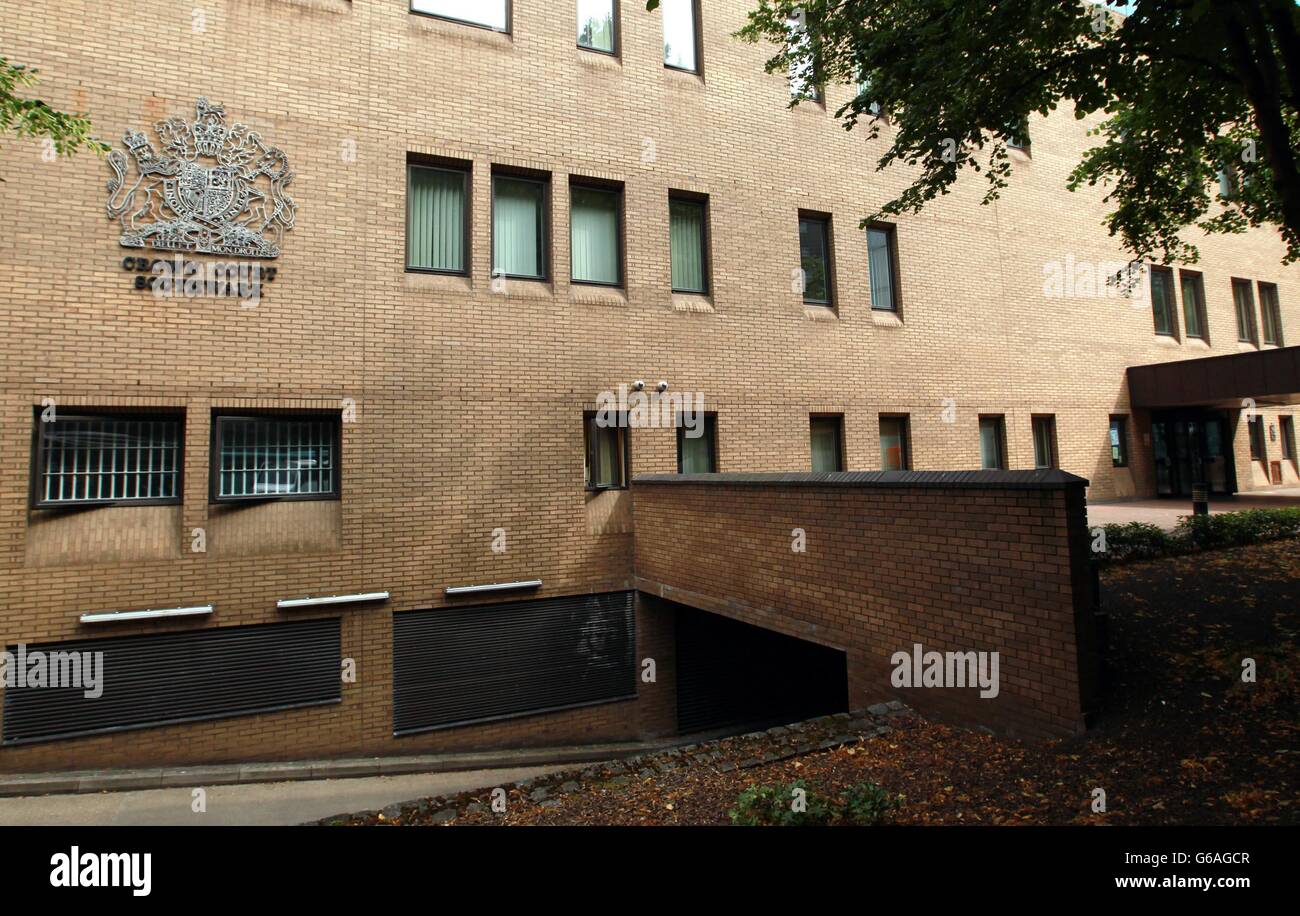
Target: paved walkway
1167, 512
256, 804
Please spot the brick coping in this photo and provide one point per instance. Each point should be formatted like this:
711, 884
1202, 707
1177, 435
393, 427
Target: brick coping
1048, 479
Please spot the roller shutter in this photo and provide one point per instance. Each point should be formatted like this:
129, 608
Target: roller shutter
466, 664
731, 674
156, 680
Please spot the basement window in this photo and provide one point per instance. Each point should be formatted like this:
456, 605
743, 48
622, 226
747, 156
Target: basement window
107, 459
275, 457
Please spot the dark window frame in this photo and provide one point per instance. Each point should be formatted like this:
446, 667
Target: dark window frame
1017, 136
1166, 276
1198, 307
905, 437
1258, 439
706, 240
1054, 458
890, 231
615, 17
546, 243
1253, 339
1000, 425
37, 463
220, 414
1286, 427
828, 244
467, 173
610, 187
710, 434
840, 437
698, 21
623, 433
508, 30
1270, 314
1123, 460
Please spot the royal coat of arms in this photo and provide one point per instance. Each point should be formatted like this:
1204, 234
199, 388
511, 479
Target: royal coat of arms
214, 189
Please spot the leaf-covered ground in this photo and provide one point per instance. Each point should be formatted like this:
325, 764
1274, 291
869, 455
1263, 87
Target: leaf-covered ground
1178, 737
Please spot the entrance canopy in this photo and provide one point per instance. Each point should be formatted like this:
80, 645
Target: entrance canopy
1269, 377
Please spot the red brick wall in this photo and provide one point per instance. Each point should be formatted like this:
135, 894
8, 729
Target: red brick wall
953, 568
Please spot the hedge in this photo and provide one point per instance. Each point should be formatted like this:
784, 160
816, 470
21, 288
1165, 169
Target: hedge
1141, 541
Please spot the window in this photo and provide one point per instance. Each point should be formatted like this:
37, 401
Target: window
490, 14
1162, 301
1272, 312
803, 75
688, 244
815, 258
519, 243
993, 443
1258, 450
697, 449
607, 450
107, 459
1119, 442
596, 25
275, 457
882, 260
866, 100
1018, 134
1244, 299
437, 224
1044, 442
827, 443
895, 453
1193, 304
596, 235
1287, 425
681, 34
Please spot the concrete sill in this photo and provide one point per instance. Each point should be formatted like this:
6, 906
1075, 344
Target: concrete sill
820, 313
689, 302
597, 295
883, 319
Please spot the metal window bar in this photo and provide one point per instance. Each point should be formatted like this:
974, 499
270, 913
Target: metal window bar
276, 457
109, 459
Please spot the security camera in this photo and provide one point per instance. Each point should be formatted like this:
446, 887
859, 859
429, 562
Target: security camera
638, 385
662, 387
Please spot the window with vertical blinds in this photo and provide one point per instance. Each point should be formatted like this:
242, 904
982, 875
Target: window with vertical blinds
880, 264
894, 451
594, 230
697, 448
518, 227
686, 231
1162, 302
993, 435
276, 457
436, 219
827, 434
1272, 312
1244, 300
1193, 304
815, 259
108, 459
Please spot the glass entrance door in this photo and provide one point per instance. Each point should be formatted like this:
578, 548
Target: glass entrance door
1191, 448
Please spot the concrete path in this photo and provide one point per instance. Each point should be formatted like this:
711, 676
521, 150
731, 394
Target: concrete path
256, 804
1167, 512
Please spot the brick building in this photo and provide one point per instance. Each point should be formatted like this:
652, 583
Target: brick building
490, 226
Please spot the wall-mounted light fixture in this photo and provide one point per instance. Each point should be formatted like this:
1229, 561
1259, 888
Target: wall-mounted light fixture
285, 603
151, 614
495, 587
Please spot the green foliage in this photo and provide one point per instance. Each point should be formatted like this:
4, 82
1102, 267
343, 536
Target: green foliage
25, 117
1140, 541
1185, 90
773, 806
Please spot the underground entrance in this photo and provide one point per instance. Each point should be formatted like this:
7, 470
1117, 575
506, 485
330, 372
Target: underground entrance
731, 674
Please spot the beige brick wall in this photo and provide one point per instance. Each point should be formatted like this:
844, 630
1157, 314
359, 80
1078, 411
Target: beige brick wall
469, 401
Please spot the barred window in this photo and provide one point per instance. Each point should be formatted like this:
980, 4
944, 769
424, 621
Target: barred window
279, 457
108, 459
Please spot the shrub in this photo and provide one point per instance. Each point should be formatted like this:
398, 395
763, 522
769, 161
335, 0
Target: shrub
1142, 541
867, 803
773, 806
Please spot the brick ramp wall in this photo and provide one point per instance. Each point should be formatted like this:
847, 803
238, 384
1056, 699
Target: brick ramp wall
992, 561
